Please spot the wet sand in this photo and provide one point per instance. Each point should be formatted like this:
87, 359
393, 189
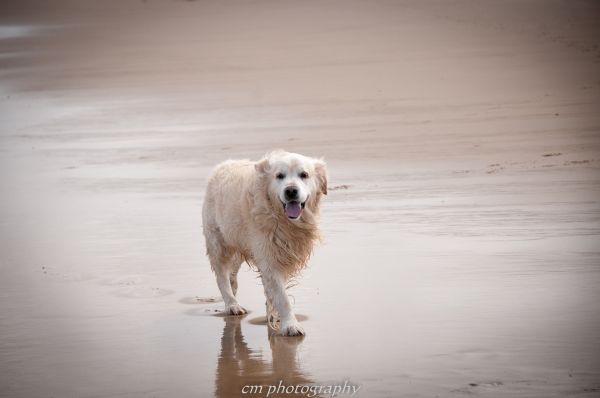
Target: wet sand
461, 231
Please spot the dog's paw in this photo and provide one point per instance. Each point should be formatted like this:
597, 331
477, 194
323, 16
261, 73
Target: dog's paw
292, 329
235, 309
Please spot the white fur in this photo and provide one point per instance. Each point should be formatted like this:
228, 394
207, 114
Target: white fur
244, 220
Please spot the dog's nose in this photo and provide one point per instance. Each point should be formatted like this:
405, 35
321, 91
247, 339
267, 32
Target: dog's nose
291, 193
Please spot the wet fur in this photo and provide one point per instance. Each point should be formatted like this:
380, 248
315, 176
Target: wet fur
243, 220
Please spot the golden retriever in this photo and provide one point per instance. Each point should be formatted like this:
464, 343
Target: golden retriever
265, 213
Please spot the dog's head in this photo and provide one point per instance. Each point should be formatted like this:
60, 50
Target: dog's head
293, 181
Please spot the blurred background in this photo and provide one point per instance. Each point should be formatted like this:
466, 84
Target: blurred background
461, 230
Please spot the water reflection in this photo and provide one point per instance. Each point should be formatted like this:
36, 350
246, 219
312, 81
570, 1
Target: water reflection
240, 367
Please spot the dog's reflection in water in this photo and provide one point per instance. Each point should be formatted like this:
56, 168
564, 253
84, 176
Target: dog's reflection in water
241, 368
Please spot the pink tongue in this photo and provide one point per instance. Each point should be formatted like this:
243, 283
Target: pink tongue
293, 209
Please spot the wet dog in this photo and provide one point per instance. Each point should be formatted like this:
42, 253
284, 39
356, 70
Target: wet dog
265, 213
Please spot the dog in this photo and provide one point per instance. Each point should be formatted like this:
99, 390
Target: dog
265, 213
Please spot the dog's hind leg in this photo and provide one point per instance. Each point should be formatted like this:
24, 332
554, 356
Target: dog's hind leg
227, 282
236, 262
225, 276
226, 263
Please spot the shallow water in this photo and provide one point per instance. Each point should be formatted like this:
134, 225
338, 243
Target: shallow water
461, 230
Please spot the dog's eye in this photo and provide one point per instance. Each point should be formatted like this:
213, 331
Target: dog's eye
280, 176
304, 175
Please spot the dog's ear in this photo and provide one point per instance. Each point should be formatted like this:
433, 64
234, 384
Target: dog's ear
262, 166
321, 172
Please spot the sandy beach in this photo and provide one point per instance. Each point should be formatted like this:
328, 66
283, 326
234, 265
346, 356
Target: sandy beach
461, 232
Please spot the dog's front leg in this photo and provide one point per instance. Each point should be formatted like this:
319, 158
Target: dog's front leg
274, 284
